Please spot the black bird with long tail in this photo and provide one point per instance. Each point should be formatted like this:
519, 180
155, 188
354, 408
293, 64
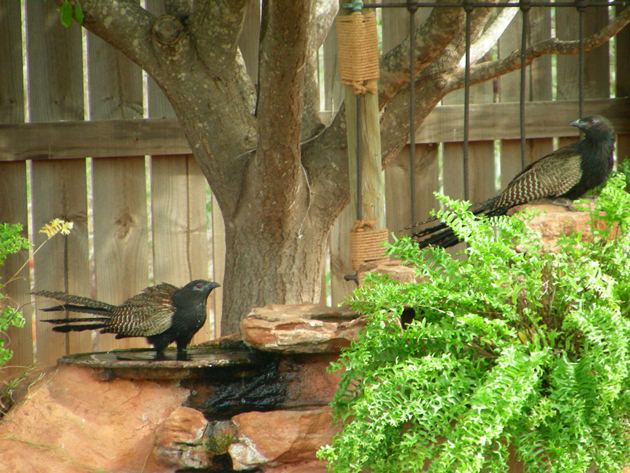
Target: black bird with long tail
566, 173
163, 314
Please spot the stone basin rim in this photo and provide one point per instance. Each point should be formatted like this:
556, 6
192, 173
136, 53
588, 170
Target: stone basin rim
202, 358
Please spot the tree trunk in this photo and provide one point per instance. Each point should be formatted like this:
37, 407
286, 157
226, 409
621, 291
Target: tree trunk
270, 265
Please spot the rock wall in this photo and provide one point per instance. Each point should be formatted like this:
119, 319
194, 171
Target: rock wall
269, 417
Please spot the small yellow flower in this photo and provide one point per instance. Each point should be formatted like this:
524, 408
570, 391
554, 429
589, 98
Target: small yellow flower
55, 226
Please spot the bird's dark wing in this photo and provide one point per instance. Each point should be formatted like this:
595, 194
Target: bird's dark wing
551, 176
145, 314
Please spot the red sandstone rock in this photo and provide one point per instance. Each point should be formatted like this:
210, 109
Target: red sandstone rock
554, 221
179, 440
280, 438
302, 328
72, 422
392, 268
309, 382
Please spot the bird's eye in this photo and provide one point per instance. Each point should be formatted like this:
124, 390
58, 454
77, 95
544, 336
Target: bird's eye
199, 285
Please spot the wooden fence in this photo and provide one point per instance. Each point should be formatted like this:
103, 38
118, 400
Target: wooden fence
94, 152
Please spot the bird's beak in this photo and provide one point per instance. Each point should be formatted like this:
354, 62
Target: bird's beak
577, 123
214, 285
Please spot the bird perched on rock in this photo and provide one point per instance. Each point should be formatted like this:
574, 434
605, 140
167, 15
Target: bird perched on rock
163, 314
566, 173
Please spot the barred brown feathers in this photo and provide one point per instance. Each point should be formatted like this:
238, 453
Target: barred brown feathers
568, 172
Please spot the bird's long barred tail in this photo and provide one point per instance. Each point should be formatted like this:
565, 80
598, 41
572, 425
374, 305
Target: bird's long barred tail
78, 324
441, 235
76, 304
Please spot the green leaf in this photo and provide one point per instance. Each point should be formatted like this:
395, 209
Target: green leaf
65, 14
78, 12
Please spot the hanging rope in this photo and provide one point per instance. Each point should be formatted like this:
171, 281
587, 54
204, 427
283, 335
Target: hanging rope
358, 51
367, 243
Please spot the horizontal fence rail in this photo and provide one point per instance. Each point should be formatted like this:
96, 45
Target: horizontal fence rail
112, 138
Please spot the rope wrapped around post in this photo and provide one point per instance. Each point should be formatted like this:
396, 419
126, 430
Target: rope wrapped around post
367, 243
358, 51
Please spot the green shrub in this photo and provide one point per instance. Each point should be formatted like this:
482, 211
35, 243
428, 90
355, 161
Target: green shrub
11, 242
512, 351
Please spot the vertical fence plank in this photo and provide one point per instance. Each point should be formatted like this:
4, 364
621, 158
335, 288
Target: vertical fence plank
509, 91
622, 84
333, 90
481, 168
159, 106
58, 187
596, 72
339, 239
11, 87
13, 201
54, 63
180, 246
119, 187
218, 262
59, 191
13, 209
538, 87
397, 187
120, 235
115, 82
398, 198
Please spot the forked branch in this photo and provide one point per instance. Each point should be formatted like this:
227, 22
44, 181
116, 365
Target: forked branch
491, 69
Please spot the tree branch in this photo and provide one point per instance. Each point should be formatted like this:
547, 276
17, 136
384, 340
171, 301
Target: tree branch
326, 161
490, 36
491, 69
178, 8
435, 34
429, 88
123, 24
282, 63
216, 28
283, 42
322, 17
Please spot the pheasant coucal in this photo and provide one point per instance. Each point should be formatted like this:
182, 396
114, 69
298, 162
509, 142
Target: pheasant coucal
566, 173
163, 314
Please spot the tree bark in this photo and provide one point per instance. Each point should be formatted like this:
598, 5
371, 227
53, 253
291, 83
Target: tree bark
263, 267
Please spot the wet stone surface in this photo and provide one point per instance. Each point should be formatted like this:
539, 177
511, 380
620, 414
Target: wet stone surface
201, 362
283, 382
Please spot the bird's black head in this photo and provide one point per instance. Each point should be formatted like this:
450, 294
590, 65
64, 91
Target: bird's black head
595, 126
201, 286
197, 290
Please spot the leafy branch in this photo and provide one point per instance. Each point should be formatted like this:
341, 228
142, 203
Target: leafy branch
12, 242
